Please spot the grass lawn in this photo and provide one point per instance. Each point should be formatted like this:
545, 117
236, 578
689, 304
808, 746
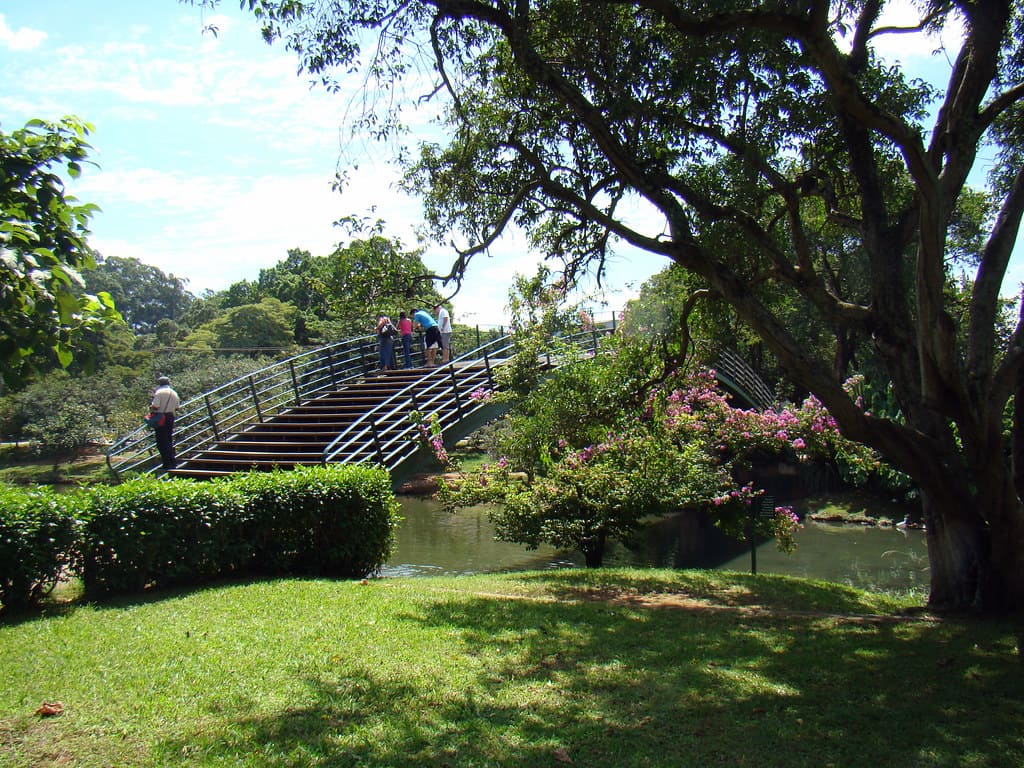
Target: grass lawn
603, 668
19, 466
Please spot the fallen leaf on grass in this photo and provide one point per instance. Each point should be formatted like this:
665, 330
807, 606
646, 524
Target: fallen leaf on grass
50, 709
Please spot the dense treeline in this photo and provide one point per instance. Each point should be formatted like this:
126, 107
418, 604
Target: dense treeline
202, 341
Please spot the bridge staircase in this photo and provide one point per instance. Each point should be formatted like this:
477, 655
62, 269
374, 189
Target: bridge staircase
301, 434
328, 405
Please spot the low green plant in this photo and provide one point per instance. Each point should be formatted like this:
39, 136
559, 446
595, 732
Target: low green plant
38, 537
150, 532
319, 521
146, 533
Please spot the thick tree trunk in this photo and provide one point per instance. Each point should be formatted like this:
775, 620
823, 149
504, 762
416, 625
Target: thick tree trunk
1005, 513
972, 512
976, 547
1007, 577
593, 550
959, 554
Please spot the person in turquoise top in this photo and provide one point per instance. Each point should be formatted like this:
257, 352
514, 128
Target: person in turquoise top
431, 334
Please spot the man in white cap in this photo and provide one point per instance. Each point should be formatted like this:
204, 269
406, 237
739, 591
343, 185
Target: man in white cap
165, 402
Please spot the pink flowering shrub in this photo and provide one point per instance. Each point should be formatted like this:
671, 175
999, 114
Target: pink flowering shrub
784, 526
601, 444
481, 395
428, 435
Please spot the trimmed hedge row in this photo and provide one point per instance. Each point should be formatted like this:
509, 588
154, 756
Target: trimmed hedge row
145, 533
38, 544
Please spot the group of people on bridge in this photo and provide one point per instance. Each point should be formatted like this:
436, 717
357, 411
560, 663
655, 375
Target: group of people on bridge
437, 335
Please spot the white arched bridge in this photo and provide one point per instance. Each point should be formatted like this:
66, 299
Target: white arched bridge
332, 405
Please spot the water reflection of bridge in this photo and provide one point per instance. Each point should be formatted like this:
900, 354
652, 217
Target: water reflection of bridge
331, 405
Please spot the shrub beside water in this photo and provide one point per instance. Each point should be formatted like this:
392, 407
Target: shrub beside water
319, 521
146, 533
152, 533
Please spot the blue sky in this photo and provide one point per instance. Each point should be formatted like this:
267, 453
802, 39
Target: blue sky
215, 158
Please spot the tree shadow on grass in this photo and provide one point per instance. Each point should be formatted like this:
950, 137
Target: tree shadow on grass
118, 601
530, 682
720, 588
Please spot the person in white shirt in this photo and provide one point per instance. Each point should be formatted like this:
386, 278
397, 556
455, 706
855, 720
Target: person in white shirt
165, 401
444, 324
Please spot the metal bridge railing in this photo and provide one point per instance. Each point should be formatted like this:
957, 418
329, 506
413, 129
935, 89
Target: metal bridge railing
207, 419
385, 434
736, 373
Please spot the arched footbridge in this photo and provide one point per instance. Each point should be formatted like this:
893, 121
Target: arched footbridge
332, 405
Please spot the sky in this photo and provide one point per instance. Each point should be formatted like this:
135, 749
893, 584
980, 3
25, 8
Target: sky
214, 157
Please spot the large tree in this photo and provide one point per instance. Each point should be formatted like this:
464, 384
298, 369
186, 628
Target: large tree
735, 139
143, 294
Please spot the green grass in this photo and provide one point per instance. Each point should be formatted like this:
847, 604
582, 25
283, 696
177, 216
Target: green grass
19, 466
604, 668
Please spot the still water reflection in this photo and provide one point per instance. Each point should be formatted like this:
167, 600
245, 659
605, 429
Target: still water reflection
434, 542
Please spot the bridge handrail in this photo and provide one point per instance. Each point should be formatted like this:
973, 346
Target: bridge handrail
387, 424
733, 369
204, 419
424, 395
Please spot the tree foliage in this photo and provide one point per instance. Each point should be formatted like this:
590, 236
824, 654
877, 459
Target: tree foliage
143, 294
341, 293
266, 327
43, 249
743, 141
602, 444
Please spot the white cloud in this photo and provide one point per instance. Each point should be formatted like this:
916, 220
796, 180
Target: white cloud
23, 39
904, 46
931, 51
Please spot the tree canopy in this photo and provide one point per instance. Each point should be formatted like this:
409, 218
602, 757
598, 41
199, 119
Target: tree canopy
143, 294
340, 294
743, 141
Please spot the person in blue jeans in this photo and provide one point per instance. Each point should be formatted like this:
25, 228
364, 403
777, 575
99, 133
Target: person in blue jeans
386, 338
405, 330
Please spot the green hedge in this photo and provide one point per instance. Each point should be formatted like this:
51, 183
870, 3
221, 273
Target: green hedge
160, 533
145, 533
319, 521
38, 537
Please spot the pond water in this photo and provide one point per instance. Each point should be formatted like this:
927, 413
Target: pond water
434, 542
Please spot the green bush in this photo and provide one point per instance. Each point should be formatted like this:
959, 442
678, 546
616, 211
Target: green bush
147, 532
331, 521
38, 536
336, 521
